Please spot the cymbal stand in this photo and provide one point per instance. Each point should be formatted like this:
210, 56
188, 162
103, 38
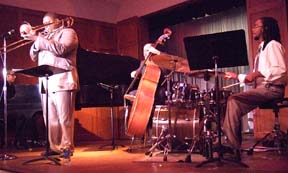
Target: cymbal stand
164, 139
169, 101
5, 156
220, 158
203, 141
111, 91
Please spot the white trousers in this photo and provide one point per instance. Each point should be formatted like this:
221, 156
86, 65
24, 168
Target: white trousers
60, 119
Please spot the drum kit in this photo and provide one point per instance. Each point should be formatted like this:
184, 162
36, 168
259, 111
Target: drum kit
184, 95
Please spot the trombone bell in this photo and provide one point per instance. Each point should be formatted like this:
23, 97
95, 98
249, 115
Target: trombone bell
25, 29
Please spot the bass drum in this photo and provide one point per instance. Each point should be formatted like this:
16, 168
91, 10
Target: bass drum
185, 123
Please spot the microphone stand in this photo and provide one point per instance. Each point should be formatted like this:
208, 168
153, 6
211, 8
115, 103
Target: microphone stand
220, 158
5, 156
111, 91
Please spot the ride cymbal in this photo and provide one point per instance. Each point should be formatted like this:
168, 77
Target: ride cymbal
171, 62
206, 73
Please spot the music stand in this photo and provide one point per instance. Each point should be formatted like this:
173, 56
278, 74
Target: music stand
111, 91
226, 49
44, 71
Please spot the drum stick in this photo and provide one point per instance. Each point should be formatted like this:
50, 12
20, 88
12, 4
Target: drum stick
228, 86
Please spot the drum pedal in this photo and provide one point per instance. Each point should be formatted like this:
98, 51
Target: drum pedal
162, 142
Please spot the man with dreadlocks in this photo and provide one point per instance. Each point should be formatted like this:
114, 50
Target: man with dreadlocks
268, 75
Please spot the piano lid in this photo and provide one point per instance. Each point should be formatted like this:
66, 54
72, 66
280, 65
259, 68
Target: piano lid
94, 68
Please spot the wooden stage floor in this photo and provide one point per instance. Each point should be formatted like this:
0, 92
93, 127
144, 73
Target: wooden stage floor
88, 158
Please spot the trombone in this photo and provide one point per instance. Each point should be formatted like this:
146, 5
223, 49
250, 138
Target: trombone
26, 28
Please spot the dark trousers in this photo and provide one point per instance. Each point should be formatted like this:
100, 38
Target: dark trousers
240, 104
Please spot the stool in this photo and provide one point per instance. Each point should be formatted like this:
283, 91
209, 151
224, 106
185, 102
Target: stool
280, 139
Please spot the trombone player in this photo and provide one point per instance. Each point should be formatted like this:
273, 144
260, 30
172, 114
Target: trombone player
57, 46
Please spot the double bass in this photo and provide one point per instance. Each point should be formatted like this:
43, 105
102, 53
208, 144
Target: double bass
144, 99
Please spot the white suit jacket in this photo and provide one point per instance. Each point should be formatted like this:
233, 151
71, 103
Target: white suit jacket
59, 50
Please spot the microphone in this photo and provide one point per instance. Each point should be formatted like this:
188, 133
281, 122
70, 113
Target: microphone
7, 34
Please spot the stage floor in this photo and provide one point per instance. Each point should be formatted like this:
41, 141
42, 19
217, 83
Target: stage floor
88, 158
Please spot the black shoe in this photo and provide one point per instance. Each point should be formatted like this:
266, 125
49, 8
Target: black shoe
227, 149
50, 153
224, 148
235, 156
20, 145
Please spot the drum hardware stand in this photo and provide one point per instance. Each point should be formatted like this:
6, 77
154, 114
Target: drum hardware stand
206, 79
5, 156
220, 158
165, 135
204, 138
163, 141
111, 91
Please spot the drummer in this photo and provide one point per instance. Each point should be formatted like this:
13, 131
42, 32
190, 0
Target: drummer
269, 76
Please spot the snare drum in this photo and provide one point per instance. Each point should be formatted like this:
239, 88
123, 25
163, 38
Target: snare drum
210, 104
223, 95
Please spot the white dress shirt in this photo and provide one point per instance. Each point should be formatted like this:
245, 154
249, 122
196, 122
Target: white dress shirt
271, 64
148, 48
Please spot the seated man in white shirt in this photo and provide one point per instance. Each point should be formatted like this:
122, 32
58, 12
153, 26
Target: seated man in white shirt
269, 75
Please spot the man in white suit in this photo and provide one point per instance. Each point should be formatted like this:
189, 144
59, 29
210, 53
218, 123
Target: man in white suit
57, 47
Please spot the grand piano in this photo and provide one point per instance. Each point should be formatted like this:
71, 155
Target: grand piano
96, 71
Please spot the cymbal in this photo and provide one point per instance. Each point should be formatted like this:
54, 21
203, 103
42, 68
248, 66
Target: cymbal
171, 62
206, 73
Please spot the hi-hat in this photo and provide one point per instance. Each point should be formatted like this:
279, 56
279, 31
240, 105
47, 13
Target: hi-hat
171, 62
206, 73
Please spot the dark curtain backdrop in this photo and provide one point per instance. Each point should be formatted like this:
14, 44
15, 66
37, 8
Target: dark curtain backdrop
233, 19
